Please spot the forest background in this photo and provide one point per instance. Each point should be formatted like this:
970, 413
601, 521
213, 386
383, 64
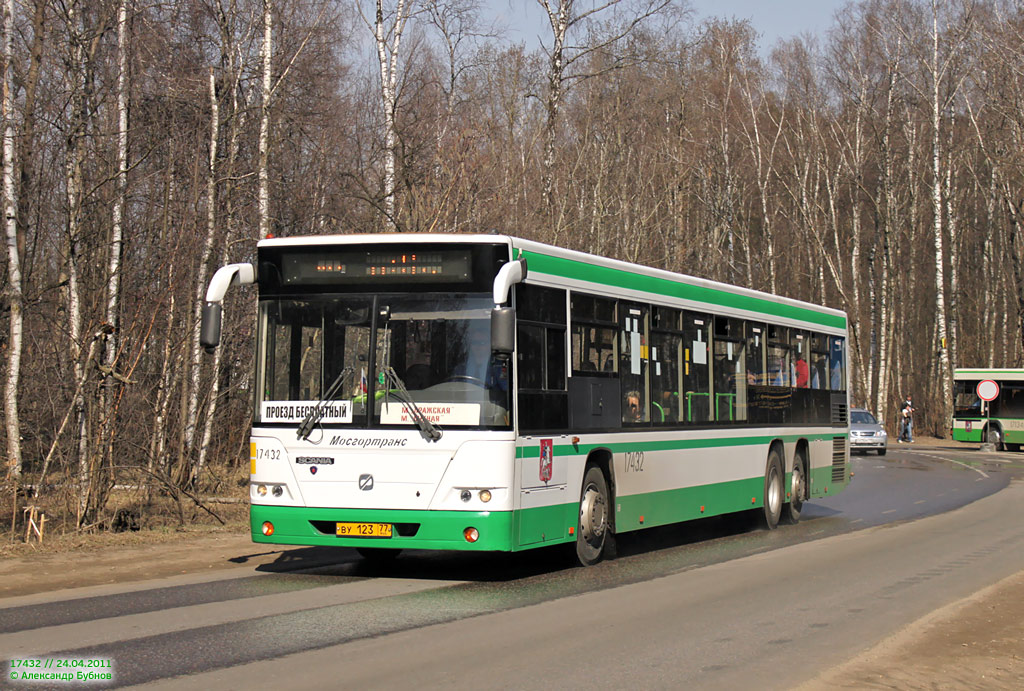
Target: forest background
878, 169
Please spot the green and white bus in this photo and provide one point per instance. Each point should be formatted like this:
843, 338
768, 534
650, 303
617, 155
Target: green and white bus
483, 392
999, 421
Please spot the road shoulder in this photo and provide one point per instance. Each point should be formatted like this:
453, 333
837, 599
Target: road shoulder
977, 642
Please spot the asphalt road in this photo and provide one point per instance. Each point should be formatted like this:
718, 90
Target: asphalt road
713, 604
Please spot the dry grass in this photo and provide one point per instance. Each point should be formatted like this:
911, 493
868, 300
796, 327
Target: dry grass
132, 514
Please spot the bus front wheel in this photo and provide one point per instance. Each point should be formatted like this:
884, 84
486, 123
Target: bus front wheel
994, 436
773, 489
594, 534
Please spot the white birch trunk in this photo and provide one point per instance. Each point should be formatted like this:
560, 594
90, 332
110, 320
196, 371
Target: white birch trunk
158, 442
888, 204
886, 313
73, 173
954, 281
764, 167
387, 56
237, 120
264, 143
945, 371
13, 420
559, 19
112, 340
116, 235
989, 279
211, 411
211, 230
196, 361
158, 446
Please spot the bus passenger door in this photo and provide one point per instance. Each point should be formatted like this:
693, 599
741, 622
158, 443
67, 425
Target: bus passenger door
546, 509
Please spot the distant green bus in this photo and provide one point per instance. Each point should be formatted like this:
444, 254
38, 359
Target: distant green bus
999, 421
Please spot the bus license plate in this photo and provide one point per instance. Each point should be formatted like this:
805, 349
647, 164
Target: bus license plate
363, 529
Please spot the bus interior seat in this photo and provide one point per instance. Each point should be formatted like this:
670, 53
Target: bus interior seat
417, 376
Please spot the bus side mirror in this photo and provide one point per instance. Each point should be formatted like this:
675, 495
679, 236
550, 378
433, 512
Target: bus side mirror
209, 330
503, 331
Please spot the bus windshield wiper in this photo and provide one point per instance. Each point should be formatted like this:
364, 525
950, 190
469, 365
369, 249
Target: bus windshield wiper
314, 416
428, 430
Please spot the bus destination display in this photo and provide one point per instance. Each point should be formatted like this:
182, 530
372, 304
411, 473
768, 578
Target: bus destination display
348, 266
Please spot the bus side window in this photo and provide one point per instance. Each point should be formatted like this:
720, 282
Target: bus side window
593, 334
730, 370
634, 363
801, 366
696, 394
666, 361
819, 361
540, 335
755, 353
780, 360
837, 363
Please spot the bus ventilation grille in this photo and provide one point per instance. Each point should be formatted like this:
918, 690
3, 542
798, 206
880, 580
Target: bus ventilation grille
839, 413
838, 459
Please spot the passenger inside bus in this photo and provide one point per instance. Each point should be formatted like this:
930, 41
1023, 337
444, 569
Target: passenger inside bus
633, 411
803, 372
818, 372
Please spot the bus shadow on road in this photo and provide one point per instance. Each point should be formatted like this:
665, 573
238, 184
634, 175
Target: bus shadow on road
422, 564
726, 536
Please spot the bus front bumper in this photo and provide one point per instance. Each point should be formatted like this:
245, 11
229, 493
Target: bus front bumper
440, 530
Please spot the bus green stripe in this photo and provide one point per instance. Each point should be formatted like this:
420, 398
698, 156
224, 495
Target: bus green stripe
664, 507
671, 444
582, 271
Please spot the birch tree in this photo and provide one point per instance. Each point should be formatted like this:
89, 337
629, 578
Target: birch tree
567, 18
14, 281
885, 204
266, 55
762, 141
113, 316
939, 71
74, 181
388, 28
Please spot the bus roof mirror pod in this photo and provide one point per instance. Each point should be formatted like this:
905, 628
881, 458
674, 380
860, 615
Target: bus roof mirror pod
503, 331
511, 273
226, 276
230, 275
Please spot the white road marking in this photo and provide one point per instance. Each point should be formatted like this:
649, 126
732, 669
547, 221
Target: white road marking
950, 460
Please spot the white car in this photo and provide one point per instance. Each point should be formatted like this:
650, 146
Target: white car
865, 433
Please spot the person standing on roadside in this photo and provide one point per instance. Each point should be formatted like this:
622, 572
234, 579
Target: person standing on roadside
907, 433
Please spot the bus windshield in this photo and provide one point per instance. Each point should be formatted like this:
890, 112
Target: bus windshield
965, 399
437, 344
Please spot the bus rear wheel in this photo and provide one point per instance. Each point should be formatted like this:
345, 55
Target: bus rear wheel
773, 489
594, 535
797, 489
